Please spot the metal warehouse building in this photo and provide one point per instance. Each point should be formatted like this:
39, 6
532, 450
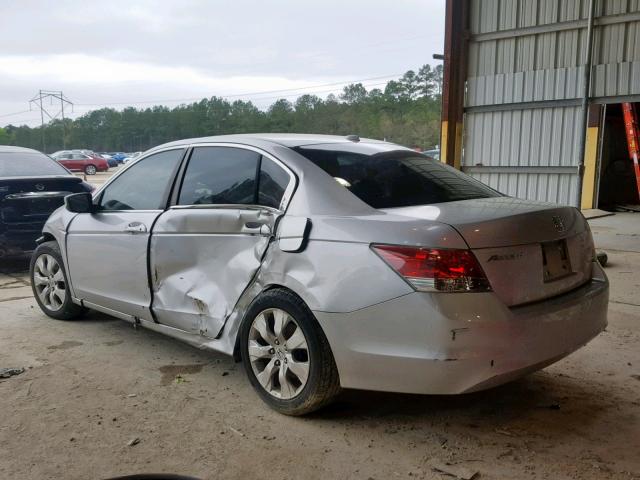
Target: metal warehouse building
516, 113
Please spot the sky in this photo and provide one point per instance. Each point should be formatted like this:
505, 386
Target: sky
141, 52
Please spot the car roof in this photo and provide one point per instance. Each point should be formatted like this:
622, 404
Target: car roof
284, 139
12, 149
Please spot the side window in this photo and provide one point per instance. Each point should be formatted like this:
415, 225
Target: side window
220, 175
144, 185
272, 184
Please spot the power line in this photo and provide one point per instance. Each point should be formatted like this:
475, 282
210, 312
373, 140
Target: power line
239, 95
256, 99
248, 95
14, 113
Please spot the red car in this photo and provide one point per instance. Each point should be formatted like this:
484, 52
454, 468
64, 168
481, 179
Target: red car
82, 162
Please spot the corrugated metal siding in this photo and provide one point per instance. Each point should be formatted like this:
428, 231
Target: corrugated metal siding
523, 138
546, 187
541, 66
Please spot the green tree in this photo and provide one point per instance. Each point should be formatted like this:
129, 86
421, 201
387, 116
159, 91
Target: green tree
5, 138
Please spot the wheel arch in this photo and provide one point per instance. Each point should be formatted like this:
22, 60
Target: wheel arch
46, 237
272, 286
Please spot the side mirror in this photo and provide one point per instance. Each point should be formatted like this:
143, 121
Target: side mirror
79, 202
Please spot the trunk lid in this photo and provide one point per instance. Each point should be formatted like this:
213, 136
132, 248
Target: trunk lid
528, 250
30, 200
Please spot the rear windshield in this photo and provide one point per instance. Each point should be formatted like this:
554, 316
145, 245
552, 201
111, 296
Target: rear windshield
395, 179
27, 164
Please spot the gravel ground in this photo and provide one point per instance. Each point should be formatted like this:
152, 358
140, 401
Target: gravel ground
100, 399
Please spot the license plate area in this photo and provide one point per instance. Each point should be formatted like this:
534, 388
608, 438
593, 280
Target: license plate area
555, 260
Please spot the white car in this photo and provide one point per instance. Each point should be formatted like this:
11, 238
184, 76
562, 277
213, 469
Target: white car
132, 157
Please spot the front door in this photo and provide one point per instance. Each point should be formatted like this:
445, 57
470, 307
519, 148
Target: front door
107, 250
206, 249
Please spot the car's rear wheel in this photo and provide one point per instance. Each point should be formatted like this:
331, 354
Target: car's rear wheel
49, 283
90, 169
286, 355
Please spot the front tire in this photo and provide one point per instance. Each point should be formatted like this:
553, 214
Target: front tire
286, 355
90, 169
50, 285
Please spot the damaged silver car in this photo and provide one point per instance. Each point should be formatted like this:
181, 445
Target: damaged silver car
327, 262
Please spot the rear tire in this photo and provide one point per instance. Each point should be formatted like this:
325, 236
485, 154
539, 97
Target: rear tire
297, 377
50, 285
90, 169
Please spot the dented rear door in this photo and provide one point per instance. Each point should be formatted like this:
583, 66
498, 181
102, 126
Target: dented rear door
206, 249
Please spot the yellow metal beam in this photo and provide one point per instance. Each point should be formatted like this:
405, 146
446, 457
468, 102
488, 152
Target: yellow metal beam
444, 131
590, 160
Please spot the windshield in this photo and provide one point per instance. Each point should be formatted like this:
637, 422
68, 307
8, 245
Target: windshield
395, 179
28, 164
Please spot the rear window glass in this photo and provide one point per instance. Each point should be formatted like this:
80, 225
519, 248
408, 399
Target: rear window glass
396, 179
26, 164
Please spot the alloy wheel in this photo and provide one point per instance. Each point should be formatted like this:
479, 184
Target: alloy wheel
90, 170
49, 282
279, 353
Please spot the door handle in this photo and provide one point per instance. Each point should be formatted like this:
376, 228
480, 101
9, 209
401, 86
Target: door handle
136, 227
263, 228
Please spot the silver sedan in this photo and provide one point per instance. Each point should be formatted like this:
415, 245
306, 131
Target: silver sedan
326, 262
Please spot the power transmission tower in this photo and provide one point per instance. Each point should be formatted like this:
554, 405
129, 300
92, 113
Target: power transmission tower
53, 111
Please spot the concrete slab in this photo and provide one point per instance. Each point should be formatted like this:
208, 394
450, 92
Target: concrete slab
595, 213
618, 232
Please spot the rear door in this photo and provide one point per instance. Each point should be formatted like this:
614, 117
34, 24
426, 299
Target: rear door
208, 246
107, 250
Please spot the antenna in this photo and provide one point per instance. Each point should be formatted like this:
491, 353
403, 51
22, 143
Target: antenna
52, 112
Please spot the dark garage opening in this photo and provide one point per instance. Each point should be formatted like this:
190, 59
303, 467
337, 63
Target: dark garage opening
617, 186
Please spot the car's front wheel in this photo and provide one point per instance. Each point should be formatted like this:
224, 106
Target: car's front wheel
286, 355
49, 283
90, 169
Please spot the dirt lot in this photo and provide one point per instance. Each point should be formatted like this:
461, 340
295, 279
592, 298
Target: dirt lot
93, 386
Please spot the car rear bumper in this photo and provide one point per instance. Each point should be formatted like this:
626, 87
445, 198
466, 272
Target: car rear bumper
458, 343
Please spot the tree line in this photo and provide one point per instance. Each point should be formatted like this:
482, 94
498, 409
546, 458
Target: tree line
405, 111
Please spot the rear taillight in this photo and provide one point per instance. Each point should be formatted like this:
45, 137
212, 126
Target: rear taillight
435, 269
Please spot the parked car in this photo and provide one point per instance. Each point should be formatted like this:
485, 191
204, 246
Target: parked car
112, 162
89, 163
132, 157
119, 157
32, 186
326, 262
